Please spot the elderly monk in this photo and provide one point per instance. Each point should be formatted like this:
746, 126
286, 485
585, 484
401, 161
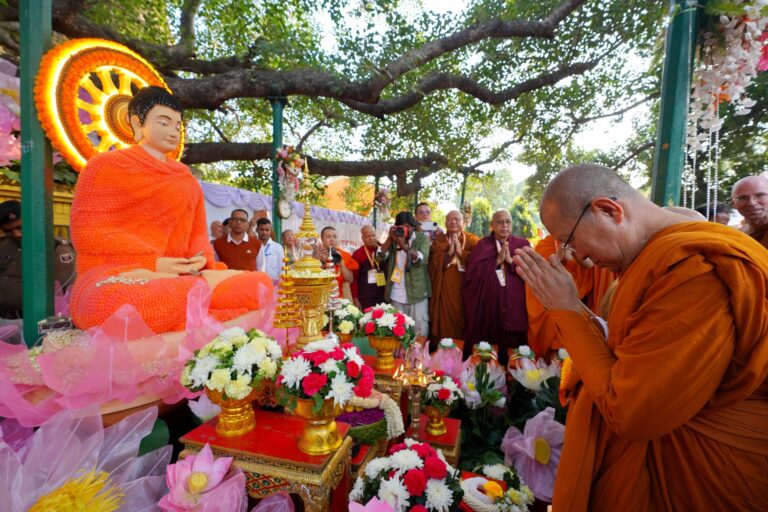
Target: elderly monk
592, 282
750, 197
370, 281
138, 223
671, 413
448, 259
494, 295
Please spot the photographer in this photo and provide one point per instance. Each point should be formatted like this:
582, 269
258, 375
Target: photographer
406, 252
343, 263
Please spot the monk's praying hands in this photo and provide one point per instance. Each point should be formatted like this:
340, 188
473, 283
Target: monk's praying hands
548, 280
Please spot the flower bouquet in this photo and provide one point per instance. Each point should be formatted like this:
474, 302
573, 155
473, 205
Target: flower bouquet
414, 477
519, 354
231, 368
382, 202
316, 383
289, 171
345, 320
387, 329
438, 399
448, 358
484, 495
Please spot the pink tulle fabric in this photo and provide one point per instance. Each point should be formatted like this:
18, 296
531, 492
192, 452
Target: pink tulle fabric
280, 502
73, 442
447, 360
120, 361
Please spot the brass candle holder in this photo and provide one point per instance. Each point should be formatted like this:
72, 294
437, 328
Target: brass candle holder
287, 310
411, 373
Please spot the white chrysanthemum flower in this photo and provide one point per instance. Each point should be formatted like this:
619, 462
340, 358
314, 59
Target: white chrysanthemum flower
268, 368
203, 367
352, 354
439, 496
405, 460
331, 365
346, 327
496, 471
484, 346
294, 370
239, 341
365, 319
446, 343
325, 345
231, 333
341, 390
524, 350
410, 442
376, 466
387, 320
410, 322
357, 490
219, 379
562, 354
274, 350
353, 310
394, 493
222, 346
185, 374
239, 388
245, 357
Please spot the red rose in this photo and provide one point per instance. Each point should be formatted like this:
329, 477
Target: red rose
443, 394
399, 319
363, 388
313, 383
435, 468
353, 370
337, 354
367, 310
370, 327
368, 373
457, 382
415, 481
398, 331
377, 313
397, 447
316, 358
346, 346
439, 373
418, 508
421, 449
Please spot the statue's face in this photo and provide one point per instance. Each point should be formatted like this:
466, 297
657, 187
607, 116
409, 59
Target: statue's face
162, 129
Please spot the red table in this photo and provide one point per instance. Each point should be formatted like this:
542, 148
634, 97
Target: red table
449, 443
272, 462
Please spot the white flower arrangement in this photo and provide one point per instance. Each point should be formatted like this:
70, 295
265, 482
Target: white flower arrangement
233, 363
385, 320
443, 392
345, 318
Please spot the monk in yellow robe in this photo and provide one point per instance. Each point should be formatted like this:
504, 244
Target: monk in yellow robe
138, 223
671, 413
448, 259
592, 283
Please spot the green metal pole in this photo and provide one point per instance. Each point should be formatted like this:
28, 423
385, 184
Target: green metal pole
375, 194
668, 160
278, 103
36, 174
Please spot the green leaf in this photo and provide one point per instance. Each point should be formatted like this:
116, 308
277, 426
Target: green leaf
157, 438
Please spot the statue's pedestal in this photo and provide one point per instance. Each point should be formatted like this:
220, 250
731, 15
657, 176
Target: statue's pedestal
449, 443
270, 458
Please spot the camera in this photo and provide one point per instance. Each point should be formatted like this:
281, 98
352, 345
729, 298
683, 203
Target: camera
401, 231
336, 256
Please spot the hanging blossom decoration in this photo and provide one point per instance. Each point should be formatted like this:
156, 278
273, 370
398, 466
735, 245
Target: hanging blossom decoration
290, 171
731, 56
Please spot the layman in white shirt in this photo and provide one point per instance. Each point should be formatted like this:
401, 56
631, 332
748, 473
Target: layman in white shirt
270, 258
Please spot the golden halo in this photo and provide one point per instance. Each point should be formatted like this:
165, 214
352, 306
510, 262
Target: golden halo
82, 92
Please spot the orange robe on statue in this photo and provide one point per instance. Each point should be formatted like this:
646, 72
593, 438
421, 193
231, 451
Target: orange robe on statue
129, 210
592, 284
446, 306
672, 413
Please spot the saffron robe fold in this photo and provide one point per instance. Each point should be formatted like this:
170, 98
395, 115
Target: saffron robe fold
495, 313
446, 306
672, 413
129, 210
592, 284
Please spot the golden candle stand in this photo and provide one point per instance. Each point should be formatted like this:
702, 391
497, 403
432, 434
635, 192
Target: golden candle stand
287, 310
413, 379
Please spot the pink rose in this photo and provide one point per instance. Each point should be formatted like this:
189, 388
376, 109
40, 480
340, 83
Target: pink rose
399, 319
415, 481
378, 313
353, 370
398, 331
370, 327
313, 383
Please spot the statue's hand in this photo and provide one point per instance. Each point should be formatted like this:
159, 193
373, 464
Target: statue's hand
180, 266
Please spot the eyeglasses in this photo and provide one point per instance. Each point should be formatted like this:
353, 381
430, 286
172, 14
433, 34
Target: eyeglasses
741, 200
237, 219
567, 244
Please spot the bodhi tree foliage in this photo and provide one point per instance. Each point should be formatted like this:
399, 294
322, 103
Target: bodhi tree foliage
383, 88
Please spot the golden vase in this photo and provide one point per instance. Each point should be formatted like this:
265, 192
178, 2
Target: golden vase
312, 295
435, 421
344, 338
320, 435
236, 417
385, 347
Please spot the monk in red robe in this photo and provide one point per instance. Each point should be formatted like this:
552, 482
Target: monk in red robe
671, 413
138, 223
448, 258
494, 295
591, 281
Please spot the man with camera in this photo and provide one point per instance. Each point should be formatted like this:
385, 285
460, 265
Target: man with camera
406, 252
343, 263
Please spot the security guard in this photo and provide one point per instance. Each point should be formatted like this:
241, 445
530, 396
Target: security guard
10, 261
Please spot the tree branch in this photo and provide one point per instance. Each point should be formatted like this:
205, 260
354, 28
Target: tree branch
634, 154
494, 155
584, 120
309, 133
187, 25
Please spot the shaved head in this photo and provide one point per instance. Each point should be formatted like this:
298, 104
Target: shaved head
750, 197
368, 234
692, 214
501, 224
454, 221
577, 185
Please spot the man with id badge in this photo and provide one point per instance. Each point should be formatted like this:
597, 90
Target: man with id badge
406, 256
368, 287
494, 295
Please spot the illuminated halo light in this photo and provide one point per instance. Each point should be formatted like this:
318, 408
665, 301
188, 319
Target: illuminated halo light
82, 93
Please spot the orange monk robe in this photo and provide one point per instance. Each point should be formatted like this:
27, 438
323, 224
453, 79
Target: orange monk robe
592, 284
130, 209
446, 306
672, 413
351, 264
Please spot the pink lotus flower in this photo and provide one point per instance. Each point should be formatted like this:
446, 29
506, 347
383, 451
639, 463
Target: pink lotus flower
199, 480
372, 506
536, 453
